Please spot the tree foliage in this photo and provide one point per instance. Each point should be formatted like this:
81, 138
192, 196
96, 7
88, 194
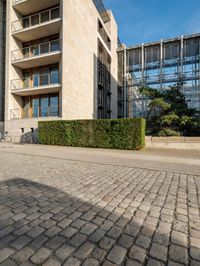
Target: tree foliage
168, 113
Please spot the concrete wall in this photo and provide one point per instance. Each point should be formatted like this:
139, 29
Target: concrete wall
1, 127
80, 46
180, 143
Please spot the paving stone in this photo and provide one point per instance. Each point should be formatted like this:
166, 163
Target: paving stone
91, 262
84, 250
6, 253
114, 232
38, 242
153, 262
117, 254
72, 262
97, 235
20, 242
78, 239
194, 242
41, 256
143, 241
106, 243
125, 241
137, 253
178, 254
55, 242
159, 252
133, 263
99, 254
9, 262
88, 229
52, 262
195, 253
23, 254
64, 252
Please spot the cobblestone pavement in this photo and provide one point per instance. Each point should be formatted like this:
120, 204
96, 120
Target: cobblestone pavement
60, 212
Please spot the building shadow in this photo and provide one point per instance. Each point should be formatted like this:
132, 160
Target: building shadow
35, 216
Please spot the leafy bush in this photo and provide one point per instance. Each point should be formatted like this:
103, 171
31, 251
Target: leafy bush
167, 132
126, 134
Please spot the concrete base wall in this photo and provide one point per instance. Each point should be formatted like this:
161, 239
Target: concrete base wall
179, 143
1, 127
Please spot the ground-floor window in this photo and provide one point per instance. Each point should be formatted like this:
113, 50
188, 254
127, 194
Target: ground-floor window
41, 106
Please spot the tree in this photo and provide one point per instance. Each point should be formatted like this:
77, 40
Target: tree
168, 111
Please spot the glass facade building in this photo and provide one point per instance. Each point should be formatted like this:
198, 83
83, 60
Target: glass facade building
158, 65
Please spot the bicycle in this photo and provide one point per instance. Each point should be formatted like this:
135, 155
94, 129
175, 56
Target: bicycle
5, 137
29, 139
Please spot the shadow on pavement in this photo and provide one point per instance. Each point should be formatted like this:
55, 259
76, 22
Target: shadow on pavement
40, 225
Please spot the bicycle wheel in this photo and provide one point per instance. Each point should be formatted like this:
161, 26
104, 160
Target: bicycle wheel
34, 140
8, 139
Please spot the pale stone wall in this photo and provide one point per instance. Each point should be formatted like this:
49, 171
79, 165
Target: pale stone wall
80, 47
180, 143
78, 65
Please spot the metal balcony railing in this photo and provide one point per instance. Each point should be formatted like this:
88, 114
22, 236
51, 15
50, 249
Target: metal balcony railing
36, 50
37, 81
35, 112
36, 19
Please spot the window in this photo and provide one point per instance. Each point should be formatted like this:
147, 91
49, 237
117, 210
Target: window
55, 46
44, 106
53, 103
45, 16
54, 75
55, 13
35, 19
26, 23
44, 77
35, 107
44, 48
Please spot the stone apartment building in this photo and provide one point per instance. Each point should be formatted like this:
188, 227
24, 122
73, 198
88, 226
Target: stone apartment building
61, 62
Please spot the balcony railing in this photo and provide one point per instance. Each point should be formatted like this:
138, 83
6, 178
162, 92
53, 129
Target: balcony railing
16, 1
35, 112
36, 19
37, 81
36, 50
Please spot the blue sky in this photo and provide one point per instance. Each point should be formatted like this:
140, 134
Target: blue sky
150, 20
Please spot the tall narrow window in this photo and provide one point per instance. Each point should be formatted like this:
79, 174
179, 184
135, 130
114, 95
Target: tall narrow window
54, 75
44, 106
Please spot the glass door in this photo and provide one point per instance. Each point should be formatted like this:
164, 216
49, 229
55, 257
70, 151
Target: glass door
35, 107
44, 106
35, 79
44, 77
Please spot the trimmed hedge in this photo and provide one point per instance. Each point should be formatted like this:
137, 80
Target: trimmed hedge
127, 134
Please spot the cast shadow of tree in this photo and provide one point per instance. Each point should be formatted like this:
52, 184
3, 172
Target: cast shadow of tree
34, 216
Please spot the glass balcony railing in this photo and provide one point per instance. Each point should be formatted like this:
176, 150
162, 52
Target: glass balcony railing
36, 50
36, 19
36, 81
16, 1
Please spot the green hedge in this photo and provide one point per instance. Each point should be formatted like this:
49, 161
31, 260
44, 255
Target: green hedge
127, 134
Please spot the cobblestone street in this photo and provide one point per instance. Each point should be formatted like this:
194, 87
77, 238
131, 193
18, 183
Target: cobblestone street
63, 212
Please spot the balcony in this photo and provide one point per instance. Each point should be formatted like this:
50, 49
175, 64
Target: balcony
38, 25
38, 84
35, 112
26, 7
37, 55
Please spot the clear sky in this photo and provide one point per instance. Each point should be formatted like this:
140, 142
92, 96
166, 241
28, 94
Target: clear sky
150, 20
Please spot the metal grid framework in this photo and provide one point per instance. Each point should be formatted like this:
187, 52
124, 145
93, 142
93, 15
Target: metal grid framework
158, 65
102, 10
